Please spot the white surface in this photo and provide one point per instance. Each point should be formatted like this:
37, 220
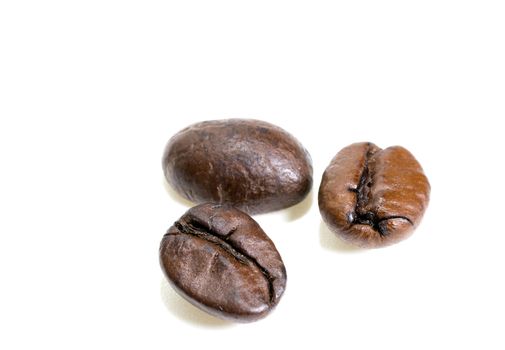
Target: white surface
91, 91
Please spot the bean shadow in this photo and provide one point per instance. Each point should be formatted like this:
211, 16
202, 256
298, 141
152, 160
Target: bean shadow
184, 311
176, 196
329, 241
297, 211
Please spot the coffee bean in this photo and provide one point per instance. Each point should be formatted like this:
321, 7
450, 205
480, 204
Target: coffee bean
220, 260
253, 165
372, 197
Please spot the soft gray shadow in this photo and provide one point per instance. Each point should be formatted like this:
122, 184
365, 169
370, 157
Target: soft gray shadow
297, 211
329, 241
183, 310
176, 196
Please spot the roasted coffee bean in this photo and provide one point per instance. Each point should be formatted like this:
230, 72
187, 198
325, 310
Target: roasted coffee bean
253, 165
220, 260
372, 197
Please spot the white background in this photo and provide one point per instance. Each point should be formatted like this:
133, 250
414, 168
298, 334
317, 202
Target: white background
90, 92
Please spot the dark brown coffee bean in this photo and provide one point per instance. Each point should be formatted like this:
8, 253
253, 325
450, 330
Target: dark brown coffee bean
253, 165
372, 197
220, 260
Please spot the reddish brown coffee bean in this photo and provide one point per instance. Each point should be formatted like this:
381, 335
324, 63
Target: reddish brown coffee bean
220, 260
250, 164
373, 197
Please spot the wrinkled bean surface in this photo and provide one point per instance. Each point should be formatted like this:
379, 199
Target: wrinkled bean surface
253, 165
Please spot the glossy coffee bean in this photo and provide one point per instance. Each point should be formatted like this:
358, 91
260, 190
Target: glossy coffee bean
220, 260
253, 165
373, 197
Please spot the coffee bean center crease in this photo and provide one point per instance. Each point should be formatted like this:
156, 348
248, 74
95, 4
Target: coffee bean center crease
362, 214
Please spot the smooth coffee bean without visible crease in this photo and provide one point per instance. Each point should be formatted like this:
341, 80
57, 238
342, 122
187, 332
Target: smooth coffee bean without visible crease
220, 260
253, 165
373, 197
